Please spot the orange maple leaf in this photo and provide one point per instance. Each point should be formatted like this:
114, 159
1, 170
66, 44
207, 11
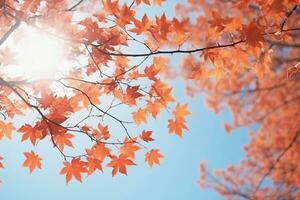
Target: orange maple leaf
253, 34
92, 165
119, 164
158, 2
125, 16
74, 102
111, 7
181, 111
140, 116
141, 26
151, 72
138, 2
180, 27
219, 22
6, 129
154, 108
152, 157
132, 95
32, 161
46, 100
29, 132
73, 168
92, 94
146, 136
163, 90
163, 27
63, 139
129, 149
101, 133
99, 151
176, 126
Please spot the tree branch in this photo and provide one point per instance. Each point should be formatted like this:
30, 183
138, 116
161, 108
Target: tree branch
185, 51
9, 32
287, 17
75, 5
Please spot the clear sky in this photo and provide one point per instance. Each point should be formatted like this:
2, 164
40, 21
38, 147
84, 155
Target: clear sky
176, 177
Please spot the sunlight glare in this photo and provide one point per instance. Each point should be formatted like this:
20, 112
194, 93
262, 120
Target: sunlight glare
39, 55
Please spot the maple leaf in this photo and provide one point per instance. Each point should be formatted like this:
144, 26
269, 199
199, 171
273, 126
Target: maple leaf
151, 72
85, 128
126, 15
74, 102
158, 2
13, 108
181, 111
129, 149
253, 34
154, 108
122, 63
153, 157
6, 129
63, 139
163, 90
141, 26
92, 165
29, 132
60, 110
179, 26
140, 116
61, 105
32, 161
218, 22
74, 168
41, 129
101, 133
162, 63
146, 136
138, 2
119, 164
163, 27
132, 95
176, 126
99, 151
46, 100
112, 7
92, 94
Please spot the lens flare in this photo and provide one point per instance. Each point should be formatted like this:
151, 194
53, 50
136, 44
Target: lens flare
39, 55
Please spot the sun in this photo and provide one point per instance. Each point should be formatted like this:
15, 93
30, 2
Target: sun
39, 55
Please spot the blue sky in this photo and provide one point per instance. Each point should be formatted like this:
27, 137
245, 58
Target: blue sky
175, 179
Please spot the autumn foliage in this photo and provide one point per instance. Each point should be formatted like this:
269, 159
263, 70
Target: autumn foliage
252, 68
74, 105
243, 55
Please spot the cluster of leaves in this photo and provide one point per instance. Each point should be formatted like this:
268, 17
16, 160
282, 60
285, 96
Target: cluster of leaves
254, 57
86, 102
